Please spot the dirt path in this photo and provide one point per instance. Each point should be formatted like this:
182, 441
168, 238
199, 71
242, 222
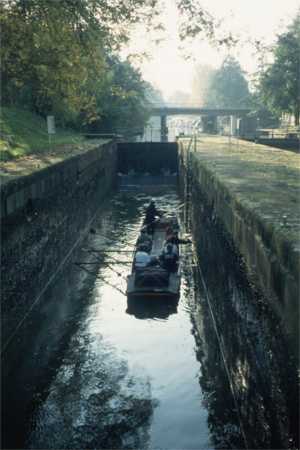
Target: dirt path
28, 164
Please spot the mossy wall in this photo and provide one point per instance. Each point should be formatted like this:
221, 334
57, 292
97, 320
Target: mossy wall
254, 191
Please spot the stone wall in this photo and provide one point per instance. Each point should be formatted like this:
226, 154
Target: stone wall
251, 203
254, 351
283, 143
44, 215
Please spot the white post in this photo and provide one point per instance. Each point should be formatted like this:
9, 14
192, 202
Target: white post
233, 125
50, 127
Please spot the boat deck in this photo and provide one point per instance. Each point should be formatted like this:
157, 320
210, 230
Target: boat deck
157, 242
173, 287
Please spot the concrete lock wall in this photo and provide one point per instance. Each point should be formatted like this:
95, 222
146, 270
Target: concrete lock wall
271, 260
147, 157
43, 216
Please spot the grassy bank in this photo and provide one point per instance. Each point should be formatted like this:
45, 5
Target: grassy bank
24, 133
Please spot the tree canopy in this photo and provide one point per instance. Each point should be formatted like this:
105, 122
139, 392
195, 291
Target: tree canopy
228, 87
58, 57
280, 82
122, 103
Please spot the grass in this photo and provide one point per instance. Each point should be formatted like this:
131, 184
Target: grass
24, 133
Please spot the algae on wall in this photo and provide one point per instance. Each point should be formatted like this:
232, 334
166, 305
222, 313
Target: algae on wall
254, 190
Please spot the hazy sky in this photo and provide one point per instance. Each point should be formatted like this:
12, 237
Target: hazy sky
170, 72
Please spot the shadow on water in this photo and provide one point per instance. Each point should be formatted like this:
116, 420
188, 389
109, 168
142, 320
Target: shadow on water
58, 391
145, 308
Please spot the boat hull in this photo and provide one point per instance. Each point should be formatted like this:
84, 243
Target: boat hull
154, 280
171, 290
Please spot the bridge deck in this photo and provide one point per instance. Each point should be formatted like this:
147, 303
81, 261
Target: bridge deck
191, 110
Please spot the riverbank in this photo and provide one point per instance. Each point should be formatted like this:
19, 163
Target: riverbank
25, 133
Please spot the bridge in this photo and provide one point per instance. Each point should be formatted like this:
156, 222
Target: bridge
196, 111
163, 111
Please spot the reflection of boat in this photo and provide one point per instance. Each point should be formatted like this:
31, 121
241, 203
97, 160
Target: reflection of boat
155, 280
142, 308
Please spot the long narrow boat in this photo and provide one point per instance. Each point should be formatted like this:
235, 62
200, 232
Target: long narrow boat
154, 280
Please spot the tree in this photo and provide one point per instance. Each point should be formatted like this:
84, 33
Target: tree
122, 105
154, 95
228, 87
56, 55
280, 83
47, 55
195, 21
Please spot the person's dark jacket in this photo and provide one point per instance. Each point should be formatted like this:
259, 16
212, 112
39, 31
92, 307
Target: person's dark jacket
176, 240
151, 213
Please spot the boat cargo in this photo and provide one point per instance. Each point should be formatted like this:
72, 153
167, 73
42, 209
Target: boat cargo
156, 279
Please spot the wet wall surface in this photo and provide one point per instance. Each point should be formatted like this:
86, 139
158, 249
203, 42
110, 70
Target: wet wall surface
88, 370
148, 157
248, 335
39, 235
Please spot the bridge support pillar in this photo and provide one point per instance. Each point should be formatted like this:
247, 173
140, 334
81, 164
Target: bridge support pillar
233, 125
210, 124
163, 129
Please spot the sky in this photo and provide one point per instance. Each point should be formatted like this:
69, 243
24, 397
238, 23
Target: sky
169, 71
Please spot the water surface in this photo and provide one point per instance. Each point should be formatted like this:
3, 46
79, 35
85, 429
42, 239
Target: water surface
99, 372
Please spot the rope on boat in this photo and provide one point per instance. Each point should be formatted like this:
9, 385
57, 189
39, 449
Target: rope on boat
101, 278
82, 264
106, 263
102, 261
93, 231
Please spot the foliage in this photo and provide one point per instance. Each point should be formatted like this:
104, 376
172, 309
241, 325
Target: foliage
266, 118
196, 21
154, 96
122, 106
228, 87
280, 82
46, 58
57, 57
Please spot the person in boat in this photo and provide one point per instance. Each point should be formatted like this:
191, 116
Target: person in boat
169, 232
142, 258
151, 214
169, 257
173, 238
145, 239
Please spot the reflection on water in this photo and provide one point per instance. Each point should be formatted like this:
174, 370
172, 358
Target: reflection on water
90, 369
87, 372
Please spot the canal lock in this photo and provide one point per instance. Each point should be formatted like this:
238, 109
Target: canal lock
96, 375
